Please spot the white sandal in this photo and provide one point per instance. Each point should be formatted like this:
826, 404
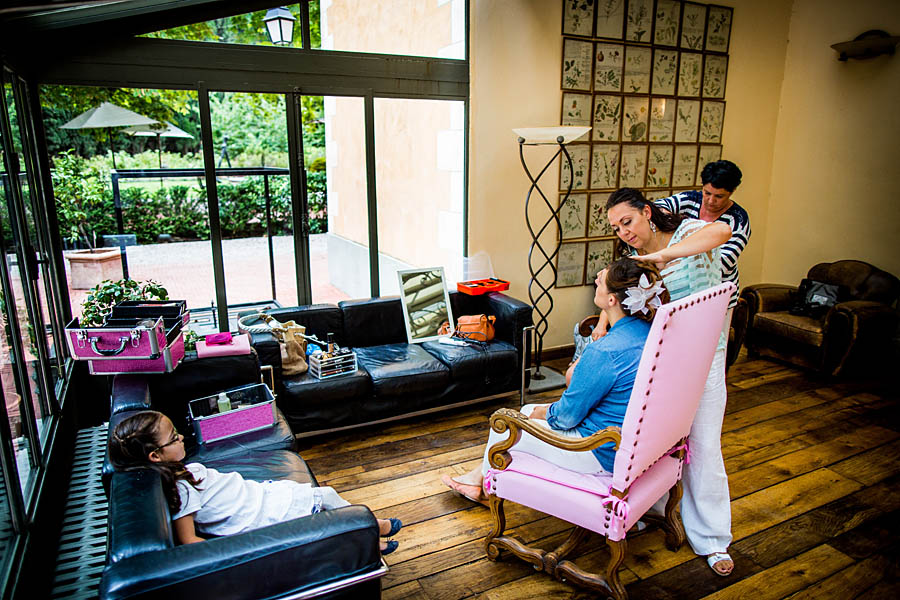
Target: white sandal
715, 558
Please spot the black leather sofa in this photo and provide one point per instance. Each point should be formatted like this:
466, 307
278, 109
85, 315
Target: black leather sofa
333, 554
395, 378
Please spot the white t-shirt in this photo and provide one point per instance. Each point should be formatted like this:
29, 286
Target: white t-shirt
226, 503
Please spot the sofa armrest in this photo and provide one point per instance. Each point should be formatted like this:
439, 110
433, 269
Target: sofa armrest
129, 392
512, 317
270, 562
768, 297
139, 520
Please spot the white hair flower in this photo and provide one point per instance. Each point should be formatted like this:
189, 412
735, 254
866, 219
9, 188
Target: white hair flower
643, 295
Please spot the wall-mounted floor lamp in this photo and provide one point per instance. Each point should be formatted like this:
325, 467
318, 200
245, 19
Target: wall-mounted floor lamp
539, 287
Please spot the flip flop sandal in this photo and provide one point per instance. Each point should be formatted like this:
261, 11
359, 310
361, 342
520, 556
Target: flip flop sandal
715, 558
396, 524
449, 481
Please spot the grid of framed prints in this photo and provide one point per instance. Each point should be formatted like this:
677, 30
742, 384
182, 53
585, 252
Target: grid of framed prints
648, 77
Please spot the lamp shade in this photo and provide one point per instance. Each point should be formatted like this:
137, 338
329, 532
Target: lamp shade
280, 23
550, 135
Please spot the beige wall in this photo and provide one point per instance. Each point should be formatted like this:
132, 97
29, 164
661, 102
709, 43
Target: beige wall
834, 188
516, 48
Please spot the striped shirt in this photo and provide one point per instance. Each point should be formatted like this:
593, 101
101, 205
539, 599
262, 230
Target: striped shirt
689, 203
691, 274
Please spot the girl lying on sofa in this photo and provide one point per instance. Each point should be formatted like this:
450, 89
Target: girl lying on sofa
205, 500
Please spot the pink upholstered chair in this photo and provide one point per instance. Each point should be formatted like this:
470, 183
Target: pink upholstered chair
651, 448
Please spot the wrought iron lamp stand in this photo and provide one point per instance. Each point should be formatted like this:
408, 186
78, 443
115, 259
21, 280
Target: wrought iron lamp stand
539, 260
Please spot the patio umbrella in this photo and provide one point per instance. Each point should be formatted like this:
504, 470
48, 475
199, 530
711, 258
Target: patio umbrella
107, 116
157, 130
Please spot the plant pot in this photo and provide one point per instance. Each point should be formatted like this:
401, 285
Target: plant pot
88, 268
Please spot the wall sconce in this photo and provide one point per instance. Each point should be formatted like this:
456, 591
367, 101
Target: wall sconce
869, 44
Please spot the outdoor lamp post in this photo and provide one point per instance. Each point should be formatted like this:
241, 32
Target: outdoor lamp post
280, 23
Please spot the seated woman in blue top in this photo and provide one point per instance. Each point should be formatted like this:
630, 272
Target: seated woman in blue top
601, 384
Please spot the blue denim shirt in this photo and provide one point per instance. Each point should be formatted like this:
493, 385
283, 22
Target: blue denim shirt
601, 385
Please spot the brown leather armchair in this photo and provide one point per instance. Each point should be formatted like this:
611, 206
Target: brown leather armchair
853, 334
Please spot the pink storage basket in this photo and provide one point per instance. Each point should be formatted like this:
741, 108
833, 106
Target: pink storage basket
256, 411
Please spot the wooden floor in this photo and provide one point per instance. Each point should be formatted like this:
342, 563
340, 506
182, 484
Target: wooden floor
814, 470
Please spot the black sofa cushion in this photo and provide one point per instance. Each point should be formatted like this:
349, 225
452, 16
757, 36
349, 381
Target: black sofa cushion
402, 369
310, 404
374, 322
262, 465
488, 362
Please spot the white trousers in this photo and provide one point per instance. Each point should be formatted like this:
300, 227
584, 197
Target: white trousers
706, 504
580, 462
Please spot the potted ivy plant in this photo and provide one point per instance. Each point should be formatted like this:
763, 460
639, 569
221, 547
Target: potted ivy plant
80, 193
105, 295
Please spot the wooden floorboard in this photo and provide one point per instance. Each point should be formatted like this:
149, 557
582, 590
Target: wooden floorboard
814, 473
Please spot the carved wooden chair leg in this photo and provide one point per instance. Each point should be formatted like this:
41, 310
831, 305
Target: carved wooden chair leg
616, 558
499, 525
578, 535
672, 525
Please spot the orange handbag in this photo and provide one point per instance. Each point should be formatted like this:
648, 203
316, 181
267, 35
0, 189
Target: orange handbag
479, 328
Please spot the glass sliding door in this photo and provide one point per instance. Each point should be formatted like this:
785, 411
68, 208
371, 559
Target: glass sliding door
334, 146
254, 197
419, 145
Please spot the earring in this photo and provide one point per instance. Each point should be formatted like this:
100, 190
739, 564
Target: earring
652, 226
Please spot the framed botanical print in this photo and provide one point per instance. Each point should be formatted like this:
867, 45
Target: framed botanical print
604, 166
633, 168
689, 74
607, 117
573, 216
687, 120
576, 109
662, 119
665, 71
576, 71
639, 20
684, 164
598, 224
718, 28
608, 61
659, 166
665, 30
657, 194
637, 70
578, 17
711, 117
580, 155
693, 26
570, 264
706, 155
610, 18
634, 125
599, 255
714, 70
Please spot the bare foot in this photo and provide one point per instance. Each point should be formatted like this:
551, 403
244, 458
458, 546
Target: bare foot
721, 563
472, 492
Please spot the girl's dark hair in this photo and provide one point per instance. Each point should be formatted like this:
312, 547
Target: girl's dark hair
664, 221
626, 273
132, 442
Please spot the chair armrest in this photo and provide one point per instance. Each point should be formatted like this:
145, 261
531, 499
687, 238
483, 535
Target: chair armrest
856, 323
768, 297
515, 422
271, 562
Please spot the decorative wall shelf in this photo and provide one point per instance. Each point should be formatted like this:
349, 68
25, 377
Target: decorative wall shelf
869, 44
